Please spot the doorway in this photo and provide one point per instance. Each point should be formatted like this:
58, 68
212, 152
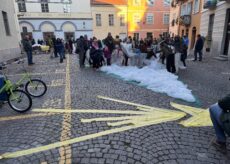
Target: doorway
227, 35
193, 40
47, 35
69, 35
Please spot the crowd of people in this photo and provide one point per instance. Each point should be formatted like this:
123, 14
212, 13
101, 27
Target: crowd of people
112, 50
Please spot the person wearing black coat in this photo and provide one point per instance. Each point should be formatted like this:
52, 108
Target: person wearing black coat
28, 49
198, 48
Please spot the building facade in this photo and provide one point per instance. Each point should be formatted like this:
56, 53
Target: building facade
63, 18
148, 18
215, 26
187, 21
9, 32
109, 16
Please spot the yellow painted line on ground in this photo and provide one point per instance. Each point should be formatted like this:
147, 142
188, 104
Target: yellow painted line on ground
65, 151
34, 74
89, 111
145, 107
106, 119
10, 118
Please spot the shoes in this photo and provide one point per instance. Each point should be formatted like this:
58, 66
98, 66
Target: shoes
194, 60
31, 64
221, 146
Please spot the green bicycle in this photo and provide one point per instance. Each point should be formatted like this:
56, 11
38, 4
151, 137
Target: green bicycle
34, 87
18, 100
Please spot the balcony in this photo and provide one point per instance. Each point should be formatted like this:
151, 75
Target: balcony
210, 4
185, 20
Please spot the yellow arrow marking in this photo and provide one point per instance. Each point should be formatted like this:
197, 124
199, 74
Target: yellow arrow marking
10, 118
144, 117
200, 117
150, 117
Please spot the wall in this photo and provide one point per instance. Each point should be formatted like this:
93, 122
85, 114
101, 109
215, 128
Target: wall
57, 24
9, 45
174, 14
218, 28
158, 10
102, 31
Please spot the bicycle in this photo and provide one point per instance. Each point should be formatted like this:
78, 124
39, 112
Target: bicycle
33, 85
15, 97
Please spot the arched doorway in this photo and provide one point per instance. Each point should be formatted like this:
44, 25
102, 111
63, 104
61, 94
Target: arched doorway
193, 40
69, 30
47, 29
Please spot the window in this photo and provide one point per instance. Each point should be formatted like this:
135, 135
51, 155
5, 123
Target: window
111, 20
98, 19
45, 6
196, 7
6, 23
21, 6
66, 6
122, 20
186, 9
167, 2
136, 18
150, 2
149, 18
166, 19
136, 2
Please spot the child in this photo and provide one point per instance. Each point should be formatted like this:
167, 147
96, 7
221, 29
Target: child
107, 55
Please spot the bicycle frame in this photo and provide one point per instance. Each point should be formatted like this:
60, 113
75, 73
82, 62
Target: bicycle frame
9, 87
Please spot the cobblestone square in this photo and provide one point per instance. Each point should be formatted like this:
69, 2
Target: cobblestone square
91, 111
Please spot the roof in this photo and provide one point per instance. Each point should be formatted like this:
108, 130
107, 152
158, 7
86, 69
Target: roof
108, 2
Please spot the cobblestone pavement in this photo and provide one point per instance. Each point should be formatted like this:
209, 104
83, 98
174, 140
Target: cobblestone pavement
71, 88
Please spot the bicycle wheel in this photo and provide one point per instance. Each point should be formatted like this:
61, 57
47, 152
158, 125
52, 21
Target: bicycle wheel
36, 88
19, 101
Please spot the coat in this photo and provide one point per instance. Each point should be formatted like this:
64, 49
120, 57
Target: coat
199, 44
27, 45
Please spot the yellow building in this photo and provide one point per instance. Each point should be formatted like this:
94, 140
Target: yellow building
109, 16
188, 20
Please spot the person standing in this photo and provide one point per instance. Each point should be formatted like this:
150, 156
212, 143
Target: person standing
60, 49
54, 41
109, 42
168, 52
28, 49
107, 55
81, 51
198, 48
86, 48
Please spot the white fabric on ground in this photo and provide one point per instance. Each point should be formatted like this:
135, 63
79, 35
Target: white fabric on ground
154, 77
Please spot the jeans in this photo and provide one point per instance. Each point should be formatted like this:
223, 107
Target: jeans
200, 54
215, 113
61, 54
29, 57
